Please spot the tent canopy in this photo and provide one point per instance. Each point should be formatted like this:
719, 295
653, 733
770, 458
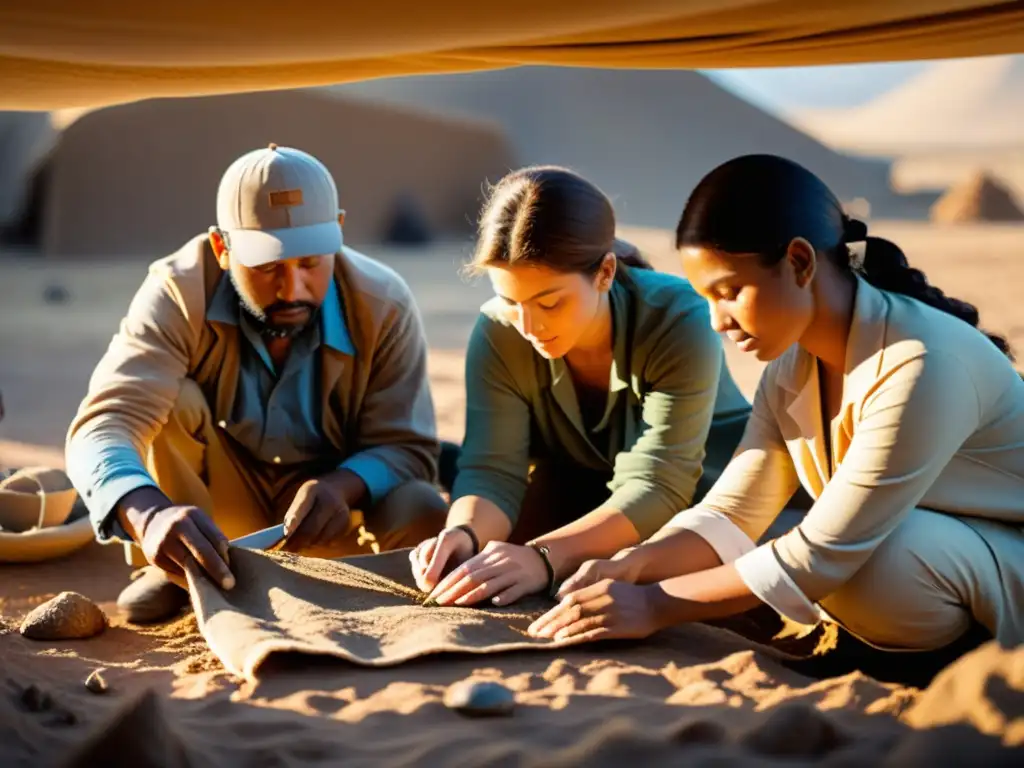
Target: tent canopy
66, 53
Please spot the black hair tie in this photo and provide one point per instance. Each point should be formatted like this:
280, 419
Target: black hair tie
854, 230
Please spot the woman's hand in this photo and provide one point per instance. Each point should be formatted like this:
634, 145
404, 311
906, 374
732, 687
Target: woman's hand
502, 572
619, 568
433, 557
602, 611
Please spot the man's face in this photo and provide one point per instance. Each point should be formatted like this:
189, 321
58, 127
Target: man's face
284, 296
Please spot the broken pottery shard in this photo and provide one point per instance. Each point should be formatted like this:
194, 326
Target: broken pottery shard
480, 698
68, 616
95, 682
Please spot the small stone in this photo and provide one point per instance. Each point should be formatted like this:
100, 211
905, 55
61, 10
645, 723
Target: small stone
480, 698
35, 699
68, 616
95, 682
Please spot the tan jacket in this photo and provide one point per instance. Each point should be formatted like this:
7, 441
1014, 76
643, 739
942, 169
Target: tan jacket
377, 404
932, 416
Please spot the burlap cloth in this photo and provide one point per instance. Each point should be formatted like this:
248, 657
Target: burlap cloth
365, 609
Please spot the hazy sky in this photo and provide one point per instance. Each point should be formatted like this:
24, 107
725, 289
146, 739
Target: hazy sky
799, 87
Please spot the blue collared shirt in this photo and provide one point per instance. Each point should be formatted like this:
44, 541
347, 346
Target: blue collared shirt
276, 414
276, 417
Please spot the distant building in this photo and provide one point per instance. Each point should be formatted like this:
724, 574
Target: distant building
140, 179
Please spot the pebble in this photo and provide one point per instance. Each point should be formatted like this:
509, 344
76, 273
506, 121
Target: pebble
68, 616
95, 682
480, 698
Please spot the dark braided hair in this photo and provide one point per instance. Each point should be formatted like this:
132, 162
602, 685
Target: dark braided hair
760, 203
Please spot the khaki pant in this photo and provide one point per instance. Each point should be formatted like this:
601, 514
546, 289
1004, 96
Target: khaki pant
931, 579
195, 462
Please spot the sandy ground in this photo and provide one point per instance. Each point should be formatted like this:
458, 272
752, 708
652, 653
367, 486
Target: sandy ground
655, 702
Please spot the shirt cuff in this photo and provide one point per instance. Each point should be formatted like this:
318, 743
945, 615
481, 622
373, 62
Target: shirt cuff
379, 478
102, 503
725, 537
762, 572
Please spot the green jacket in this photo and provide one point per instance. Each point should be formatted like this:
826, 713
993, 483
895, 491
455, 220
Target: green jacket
668, 380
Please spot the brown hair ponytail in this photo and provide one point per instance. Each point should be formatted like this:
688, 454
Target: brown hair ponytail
550, 216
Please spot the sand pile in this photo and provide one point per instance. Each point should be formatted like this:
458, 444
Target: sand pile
979, 198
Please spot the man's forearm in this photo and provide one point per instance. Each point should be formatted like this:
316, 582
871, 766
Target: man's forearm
350, 486
136, 507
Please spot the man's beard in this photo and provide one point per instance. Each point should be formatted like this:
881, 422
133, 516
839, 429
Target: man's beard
260, 318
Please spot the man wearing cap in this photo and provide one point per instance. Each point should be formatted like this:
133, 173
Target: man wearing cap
264, 373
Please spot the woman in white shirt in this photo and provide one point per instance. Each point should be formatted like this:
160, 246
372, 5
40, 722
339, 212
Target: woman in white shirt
902, 420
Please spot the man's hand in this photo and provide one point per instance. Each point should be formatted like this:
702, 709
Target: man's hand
318, 515
172, 536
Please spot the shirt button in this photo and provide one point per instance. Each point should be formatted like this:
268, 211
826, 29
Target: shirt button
222, 424
277, 459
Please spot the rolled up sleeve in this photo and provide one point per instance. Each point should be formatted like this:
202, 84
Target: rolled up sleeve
658, 475
751, 492
495, 459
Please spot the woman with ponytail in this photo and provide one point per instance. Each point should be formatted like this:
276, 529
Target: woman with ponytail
596, 389
902, 420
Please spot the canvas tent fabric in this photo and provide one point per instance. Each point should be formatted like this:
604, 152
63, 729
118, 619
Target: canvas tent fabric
158, 163
56, 53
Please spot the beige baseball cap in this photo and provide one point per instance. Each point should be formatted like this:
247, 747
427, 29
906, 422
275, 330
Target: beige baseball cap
278, 203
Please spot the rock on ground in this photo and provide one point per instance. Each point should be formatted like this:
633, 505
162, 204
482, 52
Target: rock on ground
68, 616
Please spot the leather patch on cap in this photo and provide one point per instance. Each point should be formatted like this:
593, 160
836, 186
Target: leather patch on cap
286, 198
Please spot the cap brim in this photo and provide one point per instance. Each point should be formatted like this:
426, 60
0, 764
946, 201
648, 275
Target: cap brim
256, 247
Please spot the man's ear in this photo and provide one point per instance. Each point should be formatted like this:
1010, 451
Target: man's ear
341, 218
220, 249
803, 259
